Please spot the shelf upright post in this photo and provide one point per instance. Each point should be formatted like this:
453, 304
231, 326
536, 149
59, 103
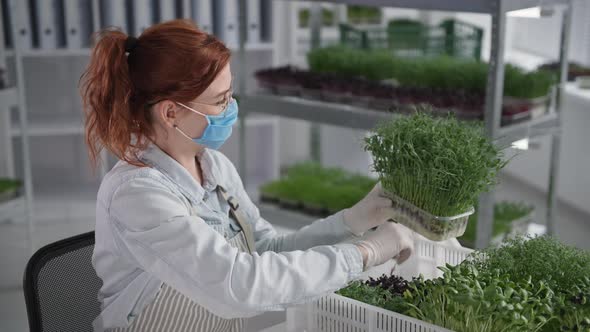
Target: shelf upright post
556, 135
493, 112
22, 115
5, 115
242, 27
315, 26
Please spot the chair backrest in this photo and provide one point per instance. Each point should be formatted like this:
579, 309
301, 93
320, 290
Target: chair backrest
61, 286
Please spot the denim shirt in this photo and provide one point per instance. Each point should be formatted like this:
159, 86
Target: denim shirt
158, 225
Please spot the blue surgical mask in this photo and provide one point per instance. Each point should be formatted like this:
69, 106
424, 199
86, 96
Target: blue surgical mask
219, 127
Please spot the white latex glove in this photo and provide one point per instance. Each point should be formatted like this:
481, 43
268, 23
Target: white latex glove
390, 240
372, 211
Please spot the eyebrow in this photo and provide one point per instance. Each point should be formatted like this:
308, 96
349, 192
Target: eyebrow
223, 93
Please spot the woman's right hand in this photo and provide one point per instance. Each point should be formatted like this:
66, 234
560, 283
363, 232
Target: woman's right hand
390, 240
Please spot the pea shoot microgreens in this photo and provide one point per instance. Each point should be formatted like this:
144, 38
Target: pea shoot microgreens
440, 165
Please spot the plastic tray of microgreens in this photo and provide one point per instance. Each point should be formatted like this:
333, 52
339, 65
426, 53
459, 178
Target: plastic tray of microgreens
432, 227
335, 313
433, 169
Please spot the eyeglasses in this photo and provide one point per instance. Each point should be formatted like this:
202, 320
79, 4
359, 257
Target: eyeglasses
227, 98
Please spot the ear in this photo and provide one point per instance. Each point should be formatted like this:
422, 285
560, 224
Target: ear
166, 112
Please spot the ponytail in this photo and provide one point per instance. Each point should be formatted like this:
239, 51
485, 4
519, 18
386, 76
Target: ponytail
107, 91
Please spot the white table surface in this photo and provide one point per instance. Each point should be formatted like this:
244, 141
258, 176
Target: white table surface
282, 327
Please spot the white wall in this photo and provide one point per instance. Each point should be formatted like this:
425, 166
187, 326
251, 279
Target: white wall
580, 39
344, 148
541, 36
532, 166
293, 134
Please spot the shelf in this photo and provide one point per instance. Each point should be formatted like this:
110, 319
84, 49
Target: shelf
315, 111
8, 99
540, 126
12, 209
262, 46
50, 125
362, 118
258, 120
65, 52
471, 6
57, 52
573, 89
64, 125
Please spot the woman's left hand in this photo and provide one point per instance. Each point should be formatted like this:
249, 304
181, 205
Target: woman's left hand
370, 212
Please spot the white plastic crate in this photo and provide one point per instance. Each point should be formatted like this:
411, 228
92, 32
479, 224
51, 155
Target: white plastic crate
428, 256
335, 313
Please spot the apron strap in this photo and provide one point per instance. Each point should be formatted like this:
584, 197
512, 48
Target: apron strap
239, 217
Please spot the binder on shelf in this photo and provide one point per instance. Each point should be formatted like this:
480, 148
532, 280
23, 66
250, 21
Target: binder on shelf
114, 14
266, 20
142, 16
3, 43
226, 24
167, 10
49, 18
202, 14
184, 9
78, 23
20, 16
253, 19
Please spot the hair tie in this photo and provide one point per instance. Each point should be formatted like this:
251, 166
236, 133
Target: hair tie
130, 44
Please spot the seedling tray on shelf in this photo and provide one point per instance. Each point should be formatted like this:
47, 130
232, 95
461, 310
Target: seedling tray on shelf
515, 110
288, 89
311, 94
7, 195
518, 226
297, 206
9, 189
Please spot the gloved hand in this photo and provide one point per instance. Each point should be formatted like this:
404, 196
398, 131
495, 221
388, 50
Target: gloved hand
373, 210
390, 240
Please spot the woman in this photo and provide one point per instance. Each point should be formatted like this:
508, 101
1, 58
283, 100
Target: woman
179, 244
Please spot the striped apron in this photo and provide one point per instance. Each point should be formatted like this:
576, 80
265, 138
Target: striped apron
171, 311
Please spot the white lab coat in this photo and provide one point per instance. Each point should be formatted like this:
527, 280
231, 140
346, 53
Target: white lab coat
146, 235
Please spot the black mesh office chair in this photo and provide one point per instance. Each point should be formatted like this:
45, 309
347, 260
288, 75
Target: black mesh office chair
61, 286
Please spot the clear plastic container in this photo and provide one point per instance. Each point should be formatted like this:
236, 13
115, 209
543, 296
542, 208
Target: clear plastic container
432, 227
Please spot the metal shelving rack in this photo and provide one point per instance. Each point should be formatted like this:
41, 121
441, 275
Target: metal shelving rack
52, 125
10, 98
14, 208
353, 117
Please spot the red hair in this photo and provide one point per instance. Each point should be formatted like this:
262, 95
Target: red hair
174, 60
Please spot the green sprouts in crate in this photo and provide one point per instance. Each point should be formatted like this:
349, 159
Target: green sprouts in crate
440, 165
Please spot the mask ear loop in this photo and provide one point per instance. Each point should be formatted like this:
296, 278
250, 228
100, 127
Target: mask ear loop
191, 109
181, 132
